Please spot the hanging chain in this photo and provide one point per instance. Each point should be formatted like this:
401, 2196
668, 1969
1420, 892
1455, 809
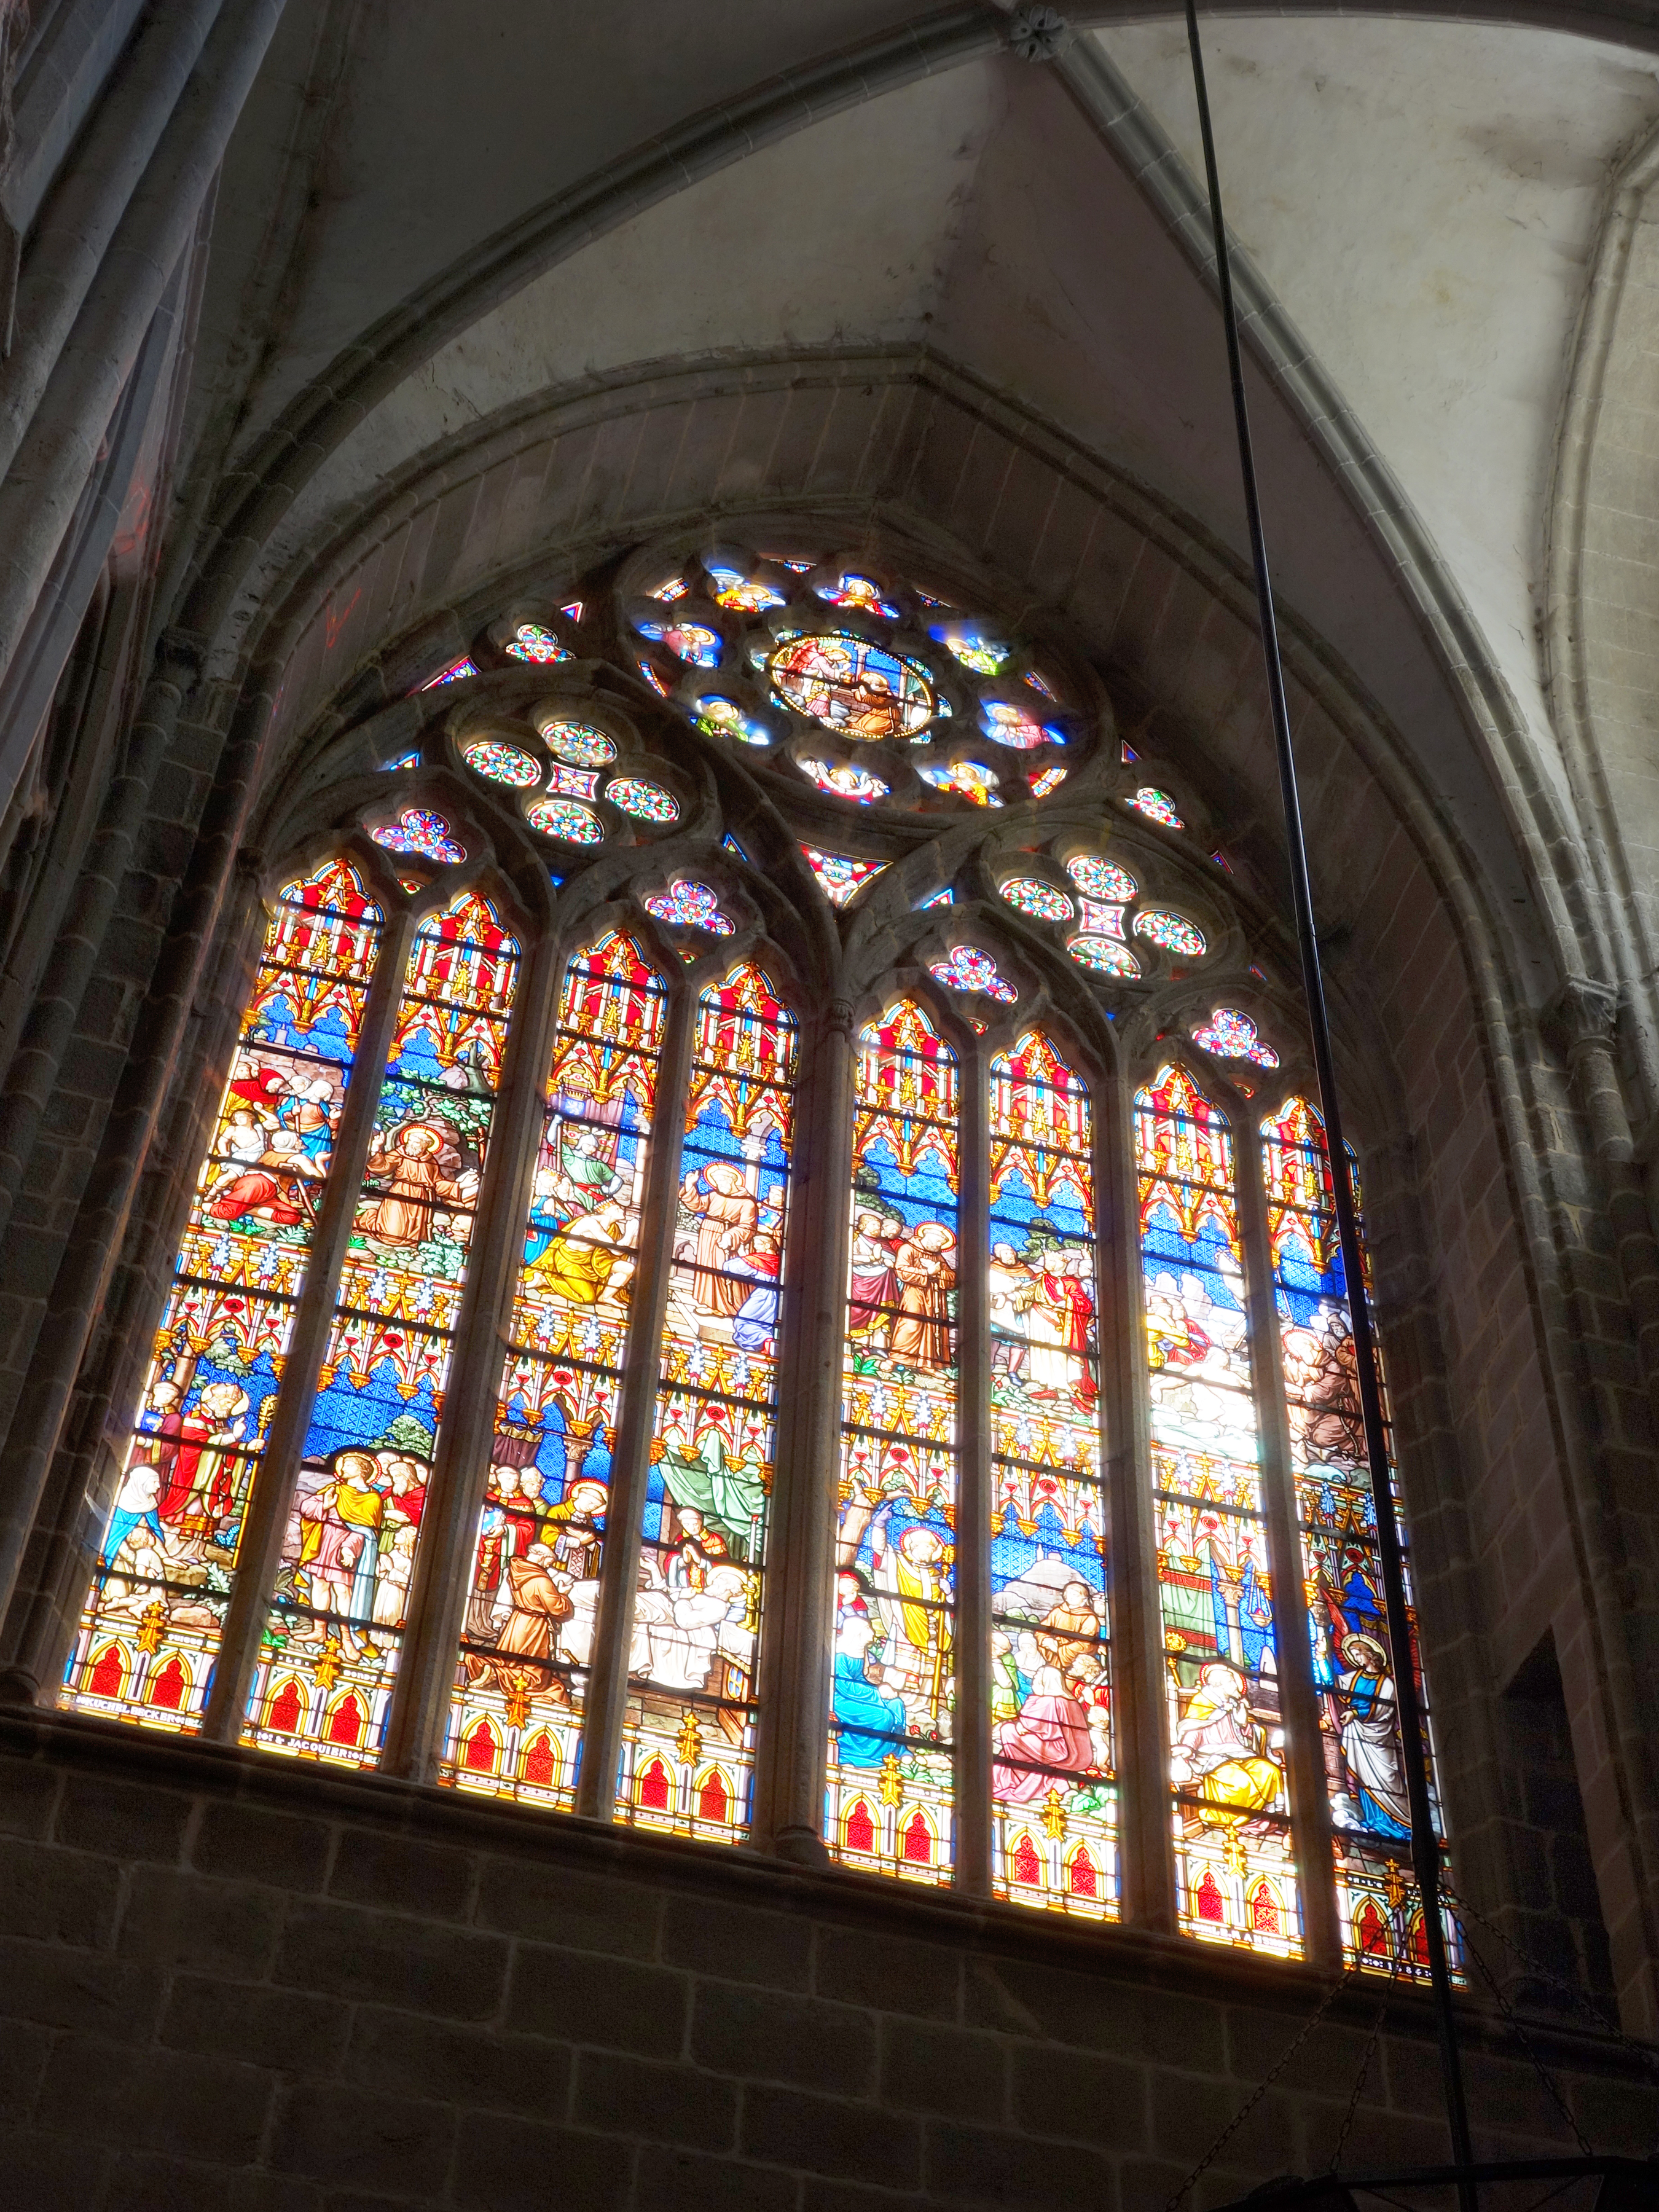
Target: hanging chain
1259, 2092
1359, 2083
1525, 2042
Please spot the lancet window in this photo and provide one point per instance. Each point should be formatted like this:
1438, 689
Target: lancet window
765, 1197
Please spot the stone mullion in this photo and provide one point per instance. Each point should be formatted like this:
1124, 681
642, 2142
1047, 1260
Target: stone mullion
798, 1623
1310, 1815
1141, 1744
607, 1691
438, 1594
273, 1484
971, 1723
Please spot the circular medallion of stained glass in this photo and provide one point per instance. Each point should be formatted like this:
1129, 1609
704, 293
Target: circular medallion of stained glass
568, 819
1104, 955
502, 764
534, 641
579, 744
1030, 894
1172, 931
1231, 1035
646, 802
1098, 879
1010, 725
968, 968
854, 687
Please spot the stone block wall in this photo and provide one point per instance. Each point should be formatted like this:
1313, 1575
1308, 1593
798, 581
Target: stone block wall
231, 1982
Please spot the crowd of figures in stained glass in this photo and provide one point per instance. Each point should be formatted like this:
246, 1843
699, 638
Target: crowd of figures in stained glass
337, 1316
1354, 1659
522, 1685
332, 1634
890, 1801
151, 1627
1054, 1836
1236, 1872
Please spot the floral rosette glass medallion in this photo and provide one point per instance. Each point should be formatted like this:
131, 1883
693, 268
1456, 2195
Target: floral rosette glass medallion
843, 781
974, 648
1050, 779
502, 763
1156, 806
419, 830
687, 905
968, 969
745, 595
1100, 879
1099, 920
863, 593
1005, 723
1043, 902
1231, 1035
534, 641
579, 744
646, 802
567, 819
1104, 955
692, 643
723, 717
1172, 931
852, 687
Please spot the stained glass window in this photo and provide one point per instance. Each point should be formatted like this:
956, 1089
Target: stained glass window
842, 780
744, 594
1172, 931
839, 877
452, 672
1100, 879
1103, 954
854, 687
151, 1626
975, 648
1231, 1035
890, 1788
575, 782
1053, 1790
688, 1744
968, 779
567, 819
329, 1654
1010, 725
1353, 1663
723, 717
502, 764
644, 800
1229, 1791
527, 1641
533, 641
690, 641
967, 968
687, 905
579, 743
1158, 806
377, 1300
417, 830
1045, 902
861, 591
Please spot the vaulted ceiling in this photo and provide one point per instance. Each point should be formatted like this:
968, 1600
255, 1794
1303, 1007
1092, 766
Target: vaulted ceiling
433, 215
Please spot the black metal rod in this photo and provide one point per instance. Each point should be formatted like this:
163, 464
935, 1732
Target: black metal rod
1426, 1847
